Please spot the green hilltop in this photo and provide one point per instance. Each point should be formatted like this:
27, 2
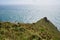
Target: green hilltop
41, 30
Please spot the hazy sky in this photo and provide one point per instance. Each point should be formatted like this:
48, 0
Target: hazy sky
33, 2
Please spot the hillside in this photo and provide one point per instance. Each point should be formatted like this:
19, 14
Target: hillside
41, 30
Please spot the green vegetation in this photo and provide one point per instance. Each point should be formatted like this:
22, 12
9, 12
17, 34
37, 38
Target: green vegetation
41, 30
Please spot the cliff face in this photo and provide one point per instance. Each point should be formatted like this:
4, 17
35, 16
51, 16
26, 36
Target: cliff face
41, 30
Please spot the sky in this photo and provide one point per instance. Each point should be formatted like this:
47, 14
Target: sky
32, 2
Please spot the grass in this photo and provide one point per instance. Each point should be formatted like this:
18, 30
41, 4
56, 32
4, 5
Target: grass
41, 30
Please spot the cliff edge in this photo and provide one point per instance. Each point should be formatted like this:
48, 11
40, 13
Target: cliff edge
41, 30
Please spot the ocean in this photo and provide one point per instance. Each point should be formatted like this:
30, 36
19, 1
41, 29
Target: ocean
30, 13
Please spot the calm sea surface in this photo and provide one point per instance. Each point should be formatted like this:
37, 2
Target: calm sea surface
29, 13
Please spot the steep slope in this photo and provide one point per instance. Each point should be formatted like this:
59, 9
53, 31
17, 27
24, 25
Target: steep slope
41, 30
49, 28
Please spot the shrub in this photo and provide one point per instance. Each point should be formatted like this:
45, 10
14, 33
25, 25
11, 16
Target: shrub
34, 37
21, 29
42, 30
2, 32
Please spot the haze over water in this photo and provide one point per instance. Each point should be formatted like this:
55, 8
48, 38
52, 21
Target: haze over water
29, 13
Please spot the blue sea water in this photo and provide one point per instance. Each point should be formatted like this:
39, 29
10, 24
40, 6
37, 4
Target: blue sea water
30, 13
